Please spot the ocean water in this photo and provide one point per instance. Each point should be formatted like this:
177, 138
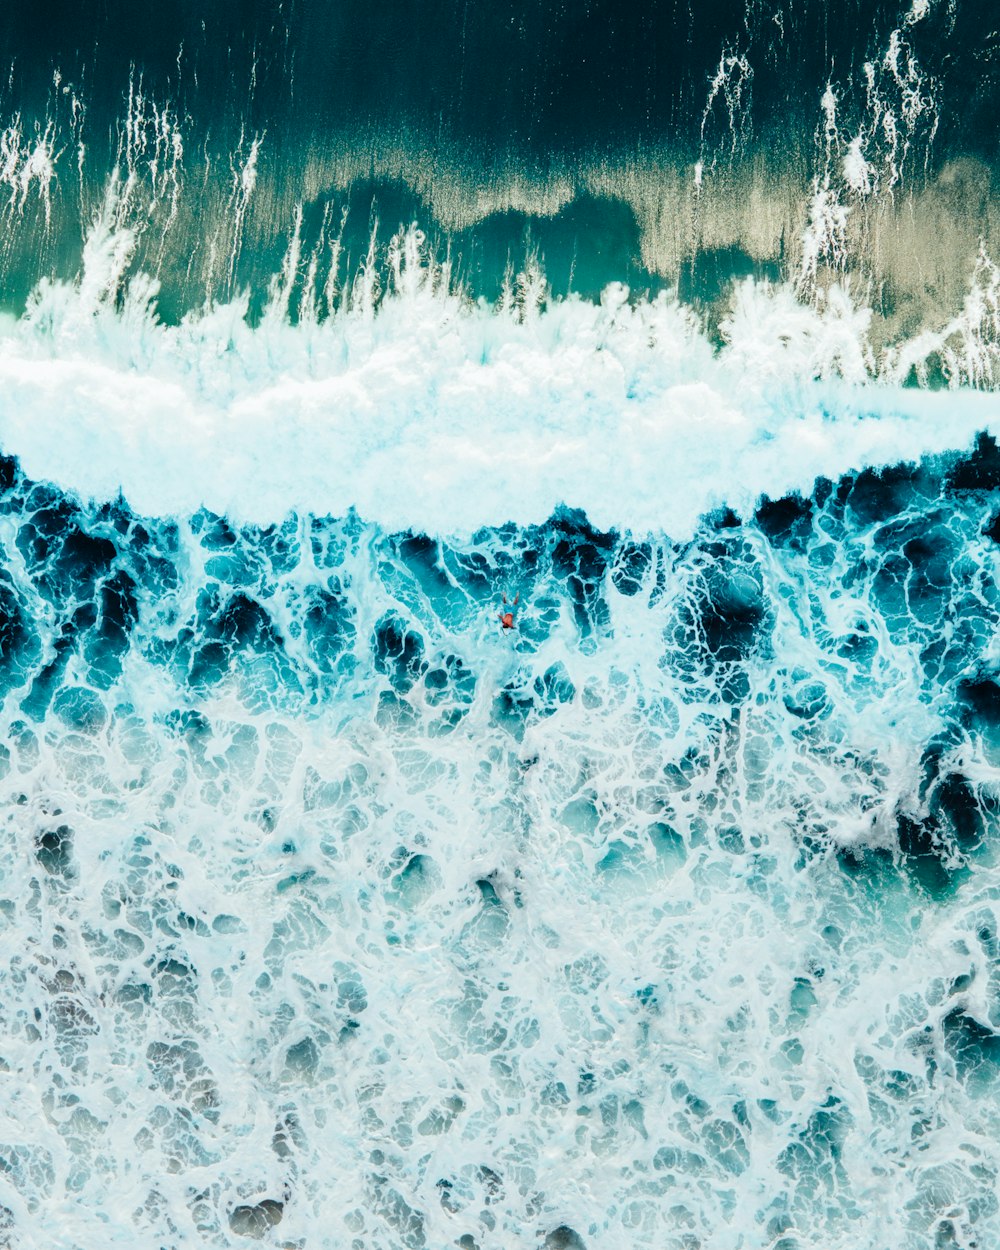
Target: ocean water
332, 915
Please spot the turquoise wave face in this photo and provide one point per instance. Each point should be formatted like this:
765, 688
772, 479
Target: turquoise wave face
335, 913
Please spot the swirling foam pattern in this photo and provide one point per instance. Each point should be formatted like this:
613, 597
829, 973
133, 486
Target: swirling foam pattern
333, 915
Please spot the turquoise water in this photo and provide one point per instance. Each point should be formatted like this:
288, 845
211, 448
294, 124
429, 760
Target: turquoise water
669, 919
334, 915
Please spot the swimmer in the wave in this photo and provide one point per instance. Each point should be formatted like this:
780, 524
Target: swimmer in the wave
507, 617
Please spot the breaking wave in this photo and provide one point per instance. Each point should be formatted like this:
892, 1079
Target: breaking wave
335, 914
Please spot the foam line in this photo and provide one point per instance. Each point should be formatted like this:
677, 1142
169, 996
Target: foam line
434, 414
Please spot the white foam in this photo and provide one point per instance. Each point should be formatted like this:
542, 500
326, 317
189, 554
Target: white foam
236, 991
429, 412
27, 164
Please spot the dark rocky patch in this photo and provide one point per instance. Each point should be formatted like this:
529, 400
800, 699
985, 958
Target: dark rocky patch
876, 495
980, 701
329, 625
581, 556
732, 609
973, 1046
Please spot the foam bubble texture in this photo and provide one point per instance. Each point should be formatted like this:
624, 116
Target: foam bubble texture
332, 915
422, 410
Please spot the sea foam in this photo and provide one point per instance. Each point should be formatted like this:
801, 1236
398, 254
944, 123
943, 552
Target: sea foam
423, 410
333, 915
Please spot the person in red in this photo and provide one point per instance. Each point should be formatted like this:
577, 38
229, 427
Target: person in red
507, 617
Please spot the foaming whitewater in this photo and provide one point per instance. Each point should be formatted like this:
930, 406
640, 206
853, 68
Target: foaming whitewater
334, 914
423, 409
